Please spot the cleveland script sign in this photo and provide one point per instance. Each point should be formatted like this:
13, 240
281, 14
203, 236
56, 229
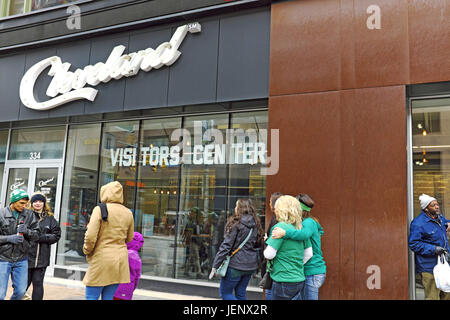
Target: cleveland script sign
67, 86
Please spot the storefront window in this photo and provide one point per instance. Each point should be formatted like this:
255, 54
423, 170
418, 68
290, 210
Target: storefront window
202, 197
79, 191
157, 194
180, 179
246, 181
431, 156
119, 157
42, 4
37, 143
3, 146
15, 7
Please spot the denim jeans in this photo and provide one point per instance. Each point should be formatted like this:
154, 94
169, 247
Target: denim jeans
237, 284
19, 277
268, 294
287, 290
312, 285
107, 292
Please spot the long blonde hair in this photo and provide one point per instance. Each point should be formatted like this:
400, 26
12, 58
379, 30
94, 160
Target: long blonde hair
46, 208
287, 209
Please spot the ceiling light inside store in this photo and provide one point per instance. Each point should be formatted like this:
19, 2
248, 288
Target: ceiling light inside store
430, 147
424, 160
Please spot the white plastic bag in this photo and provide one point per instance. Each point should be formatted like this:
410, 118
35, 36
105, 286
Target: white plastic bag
441, 274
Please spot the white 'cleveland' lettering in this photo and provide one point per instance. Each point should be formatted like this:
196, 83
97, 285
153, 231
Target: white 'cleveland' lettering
67, 86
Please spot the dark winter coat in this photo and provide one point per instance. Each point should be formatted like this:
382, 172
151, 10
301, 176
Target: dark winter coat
246, 259
50, 233
8, 226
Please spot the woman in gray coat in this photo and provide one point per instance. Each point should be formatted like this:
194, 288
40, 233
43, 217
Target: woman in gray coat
245, 262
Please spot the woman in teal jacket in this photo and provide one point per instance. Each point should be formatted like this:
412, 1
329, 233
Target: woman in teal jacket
315, 268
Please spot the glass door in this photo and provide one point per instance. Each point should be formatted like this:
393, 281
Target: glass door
18, 178
32, 178
45, 177
46, 181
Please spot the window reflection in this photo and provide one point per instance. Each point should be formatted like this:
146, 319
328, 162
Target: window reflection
37, 143
42, 4
246, 180
119, 157
79, 191
3, 145
156, 205
16, 7
431, 156
202, 199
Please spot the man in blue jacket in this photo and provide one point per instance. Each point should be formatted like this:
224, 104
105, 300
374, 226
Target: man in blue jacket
428, 240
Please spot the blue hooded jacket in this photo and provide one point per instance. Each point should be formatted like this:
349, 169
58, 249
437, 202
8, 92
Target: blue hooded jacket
425, 234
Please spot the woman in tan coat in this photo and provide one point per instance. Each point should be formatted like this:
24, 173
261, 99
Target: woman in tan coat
105, 245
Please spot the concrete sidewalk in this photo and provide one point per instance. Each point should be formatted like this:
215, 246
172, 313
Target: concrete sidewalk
64, 289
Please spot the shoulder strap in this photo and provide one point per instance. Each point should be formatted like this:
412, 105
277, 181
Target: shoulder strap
104, 211
243, 243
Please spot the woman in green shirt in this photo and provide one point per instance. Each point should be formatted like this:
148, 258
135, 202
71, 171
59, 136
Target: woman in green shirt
287, 255
315, 268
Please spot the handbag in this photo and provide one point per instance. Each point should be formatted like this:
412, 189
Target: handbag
266, 281
441, 274
222, 270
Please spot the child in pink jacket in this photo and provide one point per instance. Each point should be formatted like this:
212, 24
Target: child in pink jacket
125, 290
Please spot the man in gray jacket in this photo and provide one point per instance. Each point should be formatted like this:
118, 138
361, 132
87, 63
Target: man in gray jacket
18, 227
